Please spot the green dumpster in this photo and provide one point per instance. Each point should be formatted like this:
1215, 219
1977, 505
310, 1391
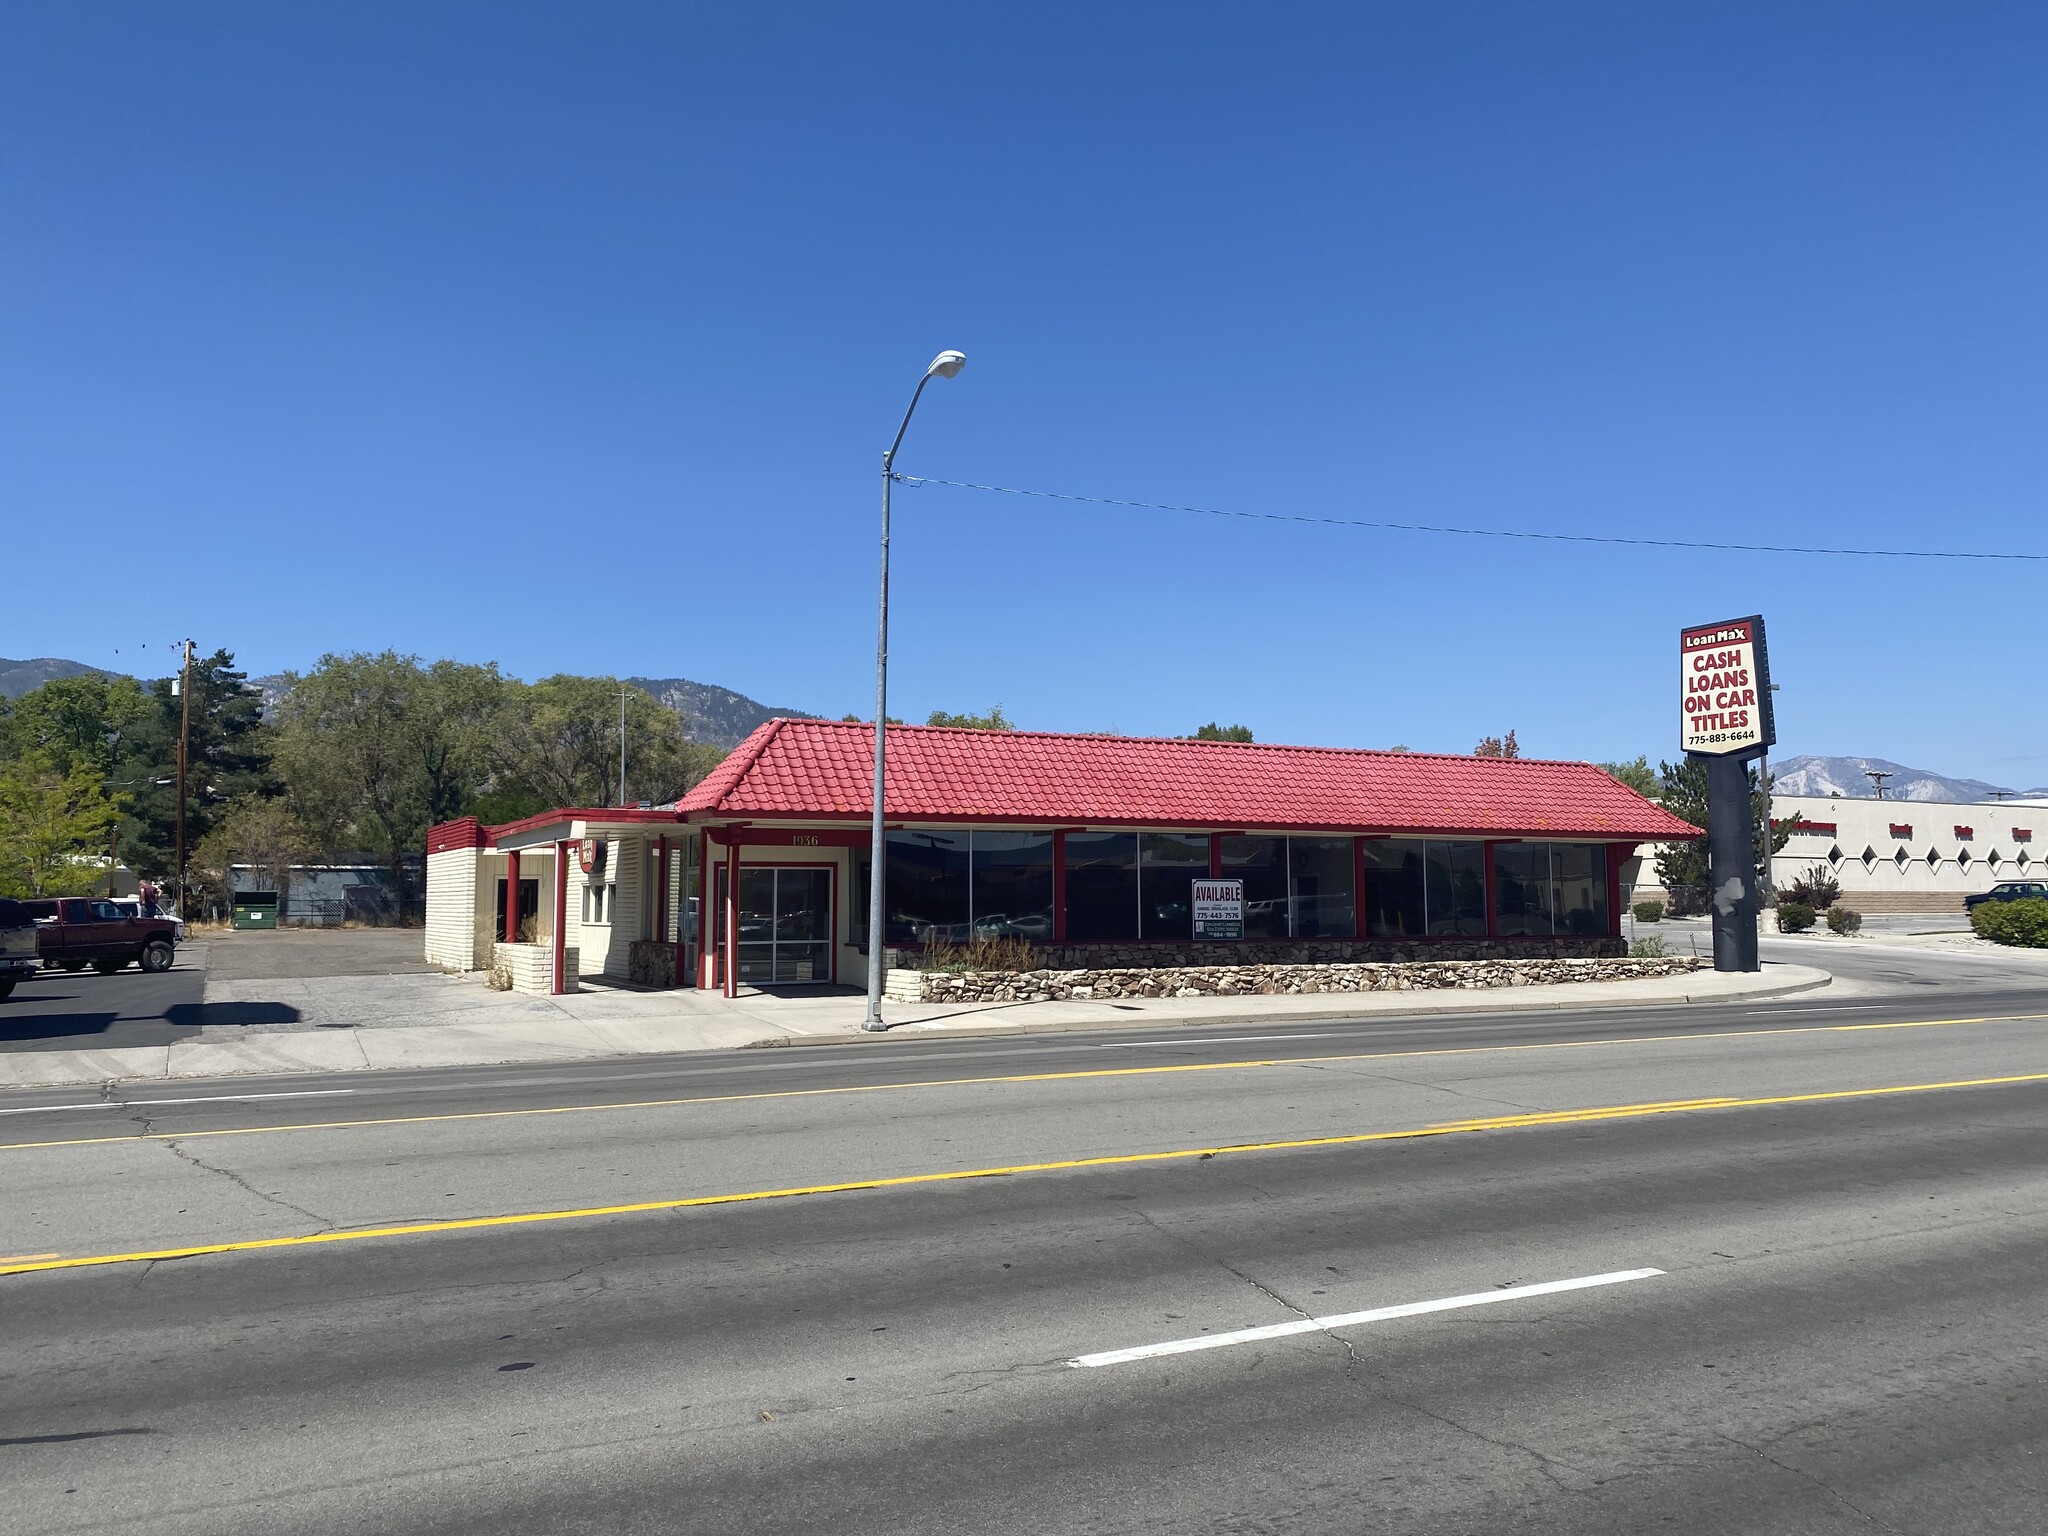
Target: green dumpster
255, 909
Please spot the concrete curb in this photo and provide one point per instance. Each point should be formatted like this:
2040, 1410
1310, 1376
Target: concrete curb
539, 1042
1510, 1000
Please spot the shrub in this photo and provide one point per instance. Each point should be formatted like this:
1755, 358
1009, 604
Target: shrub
1844, 920
1794, 917
1816, 888
2024, 923
1649, 911
980, 955
1651, 948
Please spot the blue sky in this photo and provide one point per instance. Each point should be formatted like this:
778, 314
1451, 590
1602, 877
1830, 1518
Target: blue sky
569, 337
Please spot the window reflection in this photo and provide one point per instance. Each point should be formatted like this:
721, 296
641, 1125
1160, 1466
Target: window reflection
1261, 863
1171, 862
1102, 885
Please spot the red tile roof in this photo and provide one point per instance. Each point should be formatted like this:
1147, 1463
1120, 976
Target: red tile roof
824, 769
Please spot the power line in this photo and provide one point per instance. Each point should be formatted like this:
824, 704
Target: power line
1474, 533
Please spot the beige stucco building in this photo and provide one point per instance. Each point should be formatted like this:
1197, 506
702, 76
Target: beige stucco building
1900, 855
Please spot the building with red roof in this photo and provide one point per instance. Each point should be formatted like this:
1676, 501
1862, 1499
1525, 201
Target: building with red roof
1089, 848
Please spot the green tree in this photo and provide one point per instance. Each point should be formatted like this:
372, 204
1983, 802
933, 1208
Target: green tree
1636, 775
261, 832
55, 827
230, 757
1214, 732
1498, 746
558, 745
91, 719
1682, 866
994, 720
375, 747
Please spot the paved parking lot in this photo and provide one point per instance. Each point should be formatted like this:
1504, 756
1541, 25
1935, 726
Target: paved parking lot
85, 1010
63, 1010
296, 953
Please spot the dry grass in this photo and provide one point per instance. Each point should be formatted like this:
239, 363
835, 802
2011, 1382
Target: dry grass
1011, 954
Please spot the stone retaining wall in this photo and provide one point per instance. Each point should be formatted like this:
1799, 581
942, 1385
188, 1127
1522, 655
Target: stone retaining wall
651, 963
1157, 954
906, 986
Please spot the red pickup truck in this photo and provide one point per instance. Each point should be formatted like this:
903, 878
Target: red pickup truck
73, 932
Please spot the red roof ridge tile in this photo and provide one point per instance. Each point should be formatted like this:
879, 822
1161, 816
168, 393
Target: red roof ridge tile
1015, 733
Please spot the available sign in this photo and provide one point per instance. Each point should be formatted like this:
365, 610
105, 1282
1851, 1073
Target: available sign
1219, 909
1724, 683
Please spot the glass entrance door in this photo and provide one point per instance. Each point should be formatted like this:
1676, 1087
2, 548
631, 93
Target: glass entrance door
785, 925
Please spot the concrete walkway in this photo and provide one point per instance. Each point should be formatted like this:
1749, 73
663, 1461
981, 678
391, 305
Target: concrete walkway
359, 1023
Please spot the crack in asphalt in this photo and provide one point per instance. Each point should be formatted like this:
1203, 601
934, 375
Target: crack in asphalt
171, 1146
1342, 1070
1832, 1492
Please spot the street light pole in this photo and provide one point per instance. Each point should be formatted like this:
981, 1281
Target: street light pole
184, 751
945, 366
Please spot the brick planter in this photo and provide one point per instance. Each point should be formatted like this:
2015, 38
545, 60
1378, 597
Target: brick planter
906, 986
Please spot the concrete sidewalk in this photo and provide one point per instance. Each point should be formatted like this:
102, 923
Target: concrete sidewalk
363, 1023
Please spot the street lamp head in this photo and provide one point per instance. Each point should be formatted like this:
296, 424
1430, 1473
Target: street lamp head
947, 365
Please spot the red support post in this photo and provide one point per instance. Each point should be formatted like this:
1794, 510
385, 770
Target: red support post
1492, 894
511, 933
1215, 855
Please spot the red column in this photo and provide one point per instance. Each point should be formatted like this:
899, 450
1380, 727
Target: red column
511, 934
561, 916
1215, 855
1492, 904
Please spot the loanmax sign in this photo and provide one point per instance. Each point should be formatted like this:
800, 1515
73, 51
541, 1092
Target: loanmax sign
1724, 682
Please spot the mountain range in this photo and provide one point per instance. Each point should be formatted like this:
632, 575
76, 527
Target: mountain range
1847, 778
711, 714
19, 677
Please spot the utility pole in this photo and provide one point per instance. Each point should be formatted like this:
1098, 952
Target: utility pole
1877, 778
184, 752
622, 743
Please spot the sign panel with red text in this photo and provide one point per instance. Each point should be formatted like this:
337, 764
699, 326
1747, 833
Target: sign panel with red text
1724, 685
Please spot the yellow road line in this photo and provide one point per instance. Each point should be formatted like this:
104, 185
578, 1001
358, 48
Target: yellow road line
1019, 1077
956, 1175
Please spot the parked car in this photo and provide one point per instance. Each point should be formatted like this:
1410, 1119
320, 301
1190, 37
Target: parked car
73, 932
18, 958
2006, 890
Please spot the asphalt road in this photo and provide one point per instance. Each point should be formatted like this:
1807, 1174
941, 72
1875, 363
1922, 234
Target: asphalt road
85, 1009
1846, 1332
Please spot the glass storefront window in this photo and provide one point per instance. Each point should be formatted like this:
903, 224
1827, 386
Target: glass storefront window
1455, 888
1521, 882
1102, 885
1170, 863
1578, 874
1261, 863
1319, 881
1393, 889
1011, 890
927, 888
